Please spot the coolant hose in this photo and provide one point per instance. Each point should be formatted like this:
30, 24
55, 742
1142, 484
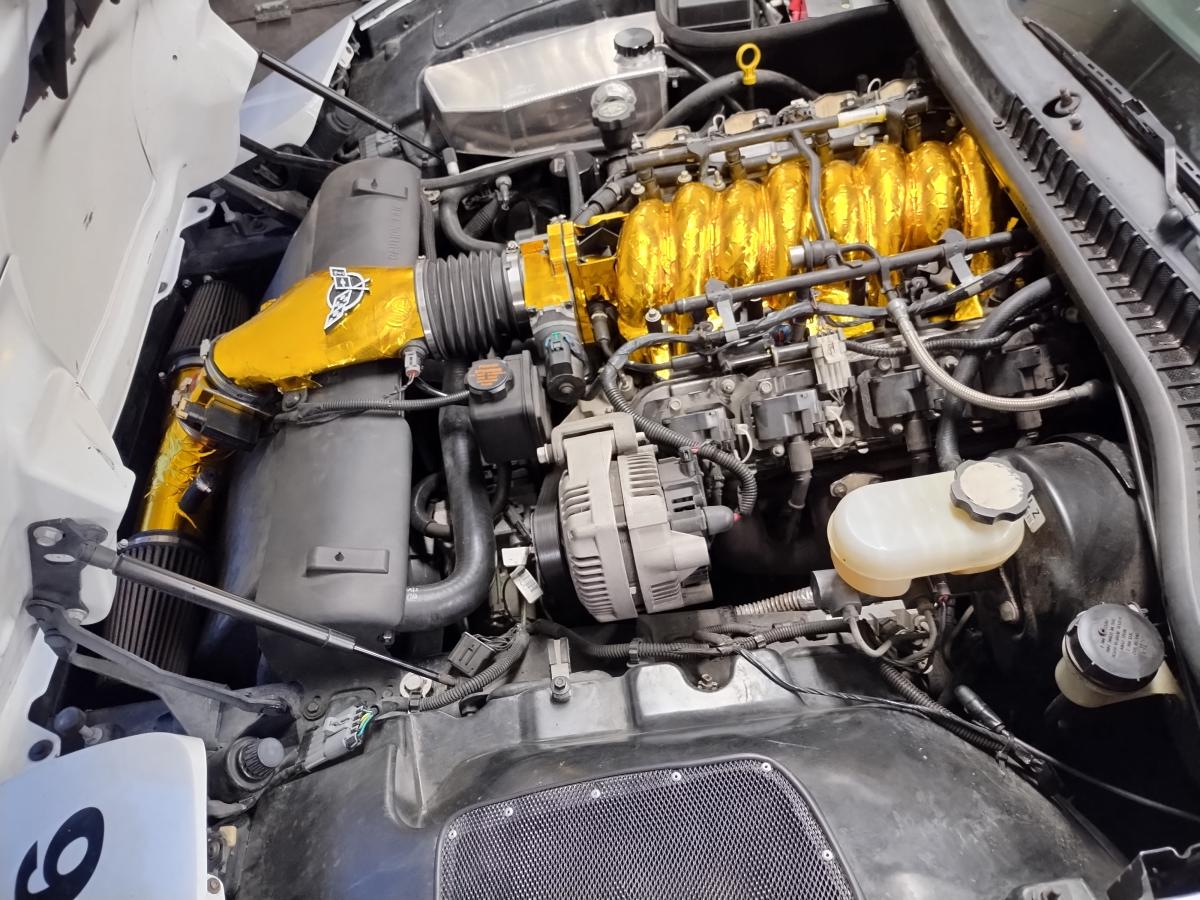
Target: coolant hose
788, 36
661, 434
453, 228
996, 323
718, 88
422, 496
445, 602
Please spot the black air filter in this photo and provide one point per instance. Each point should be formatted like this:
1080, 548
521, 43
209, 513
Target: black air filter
215, 307
158, 627
737, 828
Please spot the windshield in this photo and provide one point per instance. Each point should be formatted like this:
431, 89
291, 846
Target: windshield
1152, 47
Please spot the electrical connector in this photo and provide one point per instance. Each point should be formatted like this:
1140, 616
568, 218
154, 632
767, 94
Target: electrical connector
339, 735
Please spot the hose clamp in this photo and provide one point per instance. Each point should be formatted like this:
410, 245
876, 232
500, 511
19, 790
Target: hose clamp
423, 306
514, 281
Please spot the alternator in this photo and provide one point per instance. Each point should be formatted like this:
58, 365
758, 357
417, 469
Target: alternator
634, 527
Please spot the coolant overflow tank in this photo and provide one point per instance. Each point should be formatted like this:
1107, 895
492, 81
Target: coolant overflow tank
884, 535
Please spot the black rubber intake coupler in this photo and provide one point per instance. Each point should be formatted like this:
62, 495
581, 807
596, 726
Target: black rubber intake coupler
465, 305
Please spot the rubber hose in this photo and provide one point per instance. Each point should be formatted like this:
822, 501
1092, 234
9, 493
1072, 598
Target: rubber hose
423, 523
419, 518
428, 228
661, 434
789, 36
718, 88
483, 219
452, 227
935, 373
460, 593
900, 683
504, 662
574, 184
1019, 303
688, 65
466, 306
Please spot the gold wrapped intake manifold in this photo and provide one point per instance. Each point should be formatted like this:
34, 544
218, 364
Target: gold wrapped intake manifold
890, 199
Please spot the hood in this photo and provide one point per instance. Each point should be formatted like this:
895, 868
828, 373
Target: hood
93, 196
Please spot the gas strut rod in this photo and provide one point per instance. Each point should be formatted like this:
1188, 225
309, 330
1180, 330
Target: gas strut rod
62, 539
360, 112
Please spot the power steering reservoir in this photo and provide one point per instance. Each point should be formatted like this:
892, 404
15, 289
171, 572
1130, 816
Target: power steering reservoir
884, 535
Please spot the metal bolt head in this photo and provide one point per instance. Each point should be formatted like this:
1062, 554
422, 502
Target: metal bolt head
213, 885
414, 685
896, 429
508, 811
46, 535
728, 385
1075, 122
766, 388
766, 767
827, 855
778, 450
675, 404
838, 489
595, 793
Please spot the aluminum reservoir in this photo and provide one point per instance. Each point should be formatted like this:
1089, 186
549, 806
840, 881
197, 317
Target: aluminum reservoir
537, 92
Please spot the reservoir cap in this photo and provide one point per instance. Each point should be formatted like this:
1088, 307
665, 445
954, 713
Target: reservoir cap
1114, 646
990, 490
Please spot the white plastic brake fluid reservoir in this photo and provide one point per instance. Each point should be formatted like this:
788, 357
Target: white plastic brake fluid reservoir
884, 535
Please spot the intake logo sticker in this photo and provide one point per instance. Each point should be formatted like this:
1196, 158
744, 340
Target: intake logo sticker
346, 290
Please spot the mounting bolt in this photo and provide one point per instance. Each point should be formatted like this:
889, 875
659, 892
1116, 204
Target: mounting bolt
675, 404
896, 429
1075, 122
46, 535
778, 450
766, 388
997, 122
707, 684
728, 385
214, 884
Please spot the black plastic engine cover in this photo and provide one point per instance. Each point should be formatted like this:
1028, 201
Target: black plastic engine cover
906, 809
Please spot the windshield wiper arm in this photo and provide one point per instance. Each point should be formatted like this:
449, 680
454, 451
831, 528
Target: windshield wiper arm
1143, 125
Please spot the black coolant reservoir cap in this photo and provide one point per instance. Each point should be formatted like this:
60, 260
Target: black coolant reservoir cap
489, 379
990, 490
1114, 647
630, 42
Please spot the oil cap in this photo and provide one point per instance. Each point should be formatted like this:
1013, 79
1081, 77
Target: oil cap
630, 42
990, 490
489, 379
1114, 647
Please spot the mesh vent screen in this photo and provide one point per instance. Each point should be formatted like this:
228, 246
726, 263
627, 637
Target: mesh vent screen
731, 829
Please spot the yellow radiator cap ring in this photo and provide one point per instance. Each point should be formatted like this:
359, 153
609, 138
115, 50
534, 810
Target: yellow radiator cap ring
748, 57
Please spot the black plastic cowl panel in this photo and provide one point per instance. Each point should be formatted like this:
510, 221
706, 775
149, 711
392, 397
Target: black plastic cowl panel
1094, 201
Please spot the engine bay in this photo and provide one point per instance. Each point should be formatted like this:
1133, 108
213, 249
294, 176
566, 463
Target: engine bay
634, 466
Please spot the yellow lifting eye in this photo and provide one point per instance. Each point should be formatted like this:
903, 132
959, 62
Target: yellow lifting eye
747, 58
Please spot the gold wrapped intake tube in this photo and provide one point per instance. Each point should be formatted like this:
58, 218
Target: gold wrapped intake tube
292, 339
